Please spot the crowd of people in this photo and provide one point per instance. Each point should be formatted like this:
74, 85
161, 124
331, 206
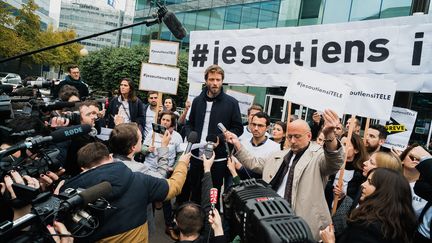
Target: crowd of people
380, 195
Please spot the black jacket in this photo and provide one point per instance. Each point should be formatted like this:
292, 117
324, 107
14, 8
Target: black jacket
79, 84
131, 192
225, 109
136, 111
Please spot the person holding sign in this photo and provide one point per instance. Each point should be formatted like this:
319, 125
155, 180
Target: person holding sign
209, 109
297, 174
125, 108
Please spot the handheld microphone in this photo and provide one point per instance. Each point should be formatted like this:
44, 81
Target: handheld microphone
56, 136
211, 144
87, 196
174, 25
223, 129
192, 138
213, 197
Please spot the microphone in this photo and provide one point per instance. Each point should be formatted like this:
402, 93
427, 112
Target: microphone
57, 106
87, 196
56, 136
192, 138
211, 144
174, 25
223, 129
213, 197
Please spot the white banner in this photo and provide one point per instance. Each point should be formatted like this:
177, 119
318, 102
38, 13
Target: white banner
370, 97
318, 91
194, 90
245, 100
400, 127
159, 78
398, 49
163, 52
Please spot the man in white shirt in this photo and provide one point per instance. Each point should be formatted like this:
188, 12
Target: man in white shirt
247, 134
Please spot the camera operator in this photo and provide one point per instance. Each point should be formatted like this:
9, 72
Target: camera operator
132, 191
88, 115
194, 221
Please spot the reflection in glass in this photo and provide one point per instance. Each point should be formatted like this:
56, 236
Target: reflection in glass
336, 11
365, 9
395, 8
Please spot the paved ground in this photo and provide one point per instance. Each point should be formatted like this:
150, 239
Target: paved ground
160, 236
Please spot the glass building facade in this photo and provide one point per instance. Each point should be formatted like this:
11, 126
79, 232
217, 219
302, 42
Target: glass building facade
246, 14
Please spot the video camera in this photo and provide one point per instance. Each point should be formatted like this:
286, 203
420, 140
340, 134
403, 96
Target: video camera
78, 209
258, 214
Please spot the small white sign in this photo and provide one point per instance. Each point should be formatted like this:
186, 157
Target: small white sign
195, 89
318, 91
371, 98
245, 100
159, 78
400, 126
163, 52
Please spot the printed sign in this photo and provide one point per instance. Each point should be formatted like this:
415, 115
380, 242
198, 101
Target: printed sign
159, 78
318, 91
400, 127
194, 90
370, 97
245, 100
163, 52
397, 49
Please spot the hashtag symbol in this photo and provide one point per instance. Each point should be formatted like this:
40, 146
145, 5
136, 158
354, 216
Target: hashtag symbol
200, 55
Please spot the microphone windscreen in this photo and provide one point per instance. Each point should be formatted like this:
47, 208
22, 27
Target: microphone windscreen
193, 137
174, 25
58, 106
211, 138
213, 195
70, 132
95, 192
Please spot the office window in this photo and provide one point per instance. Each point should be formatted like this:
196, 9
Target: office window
309, 12
395, 8
232, 17
288, 13
336, 11
269, 14
203, 19
365, 9
249, 18
217, 16
189, 20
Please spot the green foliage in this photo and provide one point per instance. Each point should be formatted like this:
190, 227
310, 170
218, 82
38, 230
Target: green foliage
22, 33
104, 68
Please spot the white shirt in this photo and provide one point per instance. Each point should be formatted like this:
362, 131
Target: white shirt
262, 150
418, 203
204, 131
281, 190
347, 177
150, 115
173, 148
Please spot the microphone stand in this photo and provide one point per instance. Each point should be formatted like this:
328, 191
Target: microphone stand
148, 22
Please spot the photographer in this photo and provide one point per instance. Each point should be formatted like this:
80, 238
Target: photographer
194, 221
88, 115
132, 191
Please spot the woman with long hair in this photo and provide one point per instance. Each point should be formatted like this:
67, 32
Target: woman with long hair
409, 163
382, 160
125, 108
385, 213
279, 133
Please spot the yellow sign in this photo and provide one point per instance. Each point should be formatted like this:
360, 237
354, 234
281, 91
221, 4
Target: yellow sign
395, 128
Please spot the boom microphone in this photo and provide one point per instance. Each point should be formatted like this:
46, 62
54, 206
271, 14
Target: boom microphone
192, 138
87, 196
56, 136
174, 25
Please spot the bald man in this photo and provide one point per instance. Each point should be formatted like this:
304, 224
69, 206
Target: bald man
299, 174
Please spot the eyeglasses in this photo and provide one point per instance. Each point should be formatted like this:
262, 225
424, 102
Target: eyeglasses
295, 136
258, 125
